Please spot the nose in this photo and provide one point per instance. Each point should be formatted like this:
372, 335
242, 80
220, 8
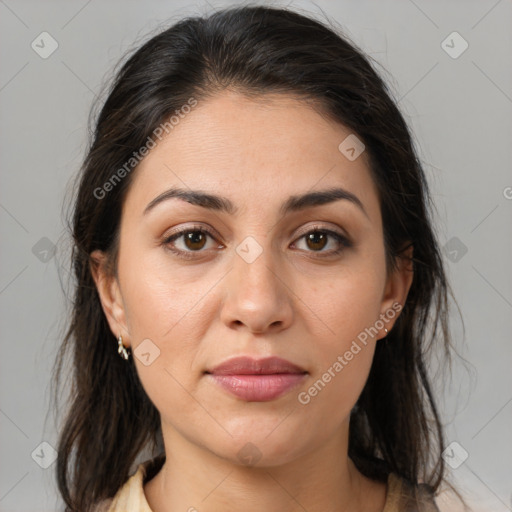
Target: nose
258, 296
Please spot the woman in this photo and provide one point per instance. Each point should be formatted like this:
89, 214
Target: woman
258, 282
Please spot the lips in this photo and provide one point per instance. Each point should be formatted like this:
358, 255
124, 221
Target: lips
250, 366
257, 380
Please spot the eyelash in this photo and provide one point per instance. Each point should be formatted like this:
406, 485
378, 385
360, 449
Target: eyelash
342, 240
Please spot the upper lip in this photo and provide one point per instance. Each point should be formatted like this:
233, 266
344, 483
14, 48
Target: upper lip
251, 366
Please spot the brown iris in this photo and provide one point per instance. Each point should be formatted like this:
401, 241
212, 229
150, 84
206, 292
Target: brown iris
317, 238
195, 237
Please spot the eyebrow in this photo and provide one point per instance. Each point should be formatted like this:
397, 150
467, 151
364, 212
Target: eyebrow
223, 204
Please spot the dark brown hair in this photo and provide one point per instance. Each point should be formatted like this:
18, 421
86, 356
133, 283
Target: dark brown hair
256, 50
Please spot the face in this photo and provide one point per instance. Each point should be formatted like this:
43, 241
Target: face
301, 280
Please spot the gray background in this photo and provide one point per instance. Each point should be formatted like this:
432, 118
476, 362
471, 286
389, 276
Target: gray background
459, 109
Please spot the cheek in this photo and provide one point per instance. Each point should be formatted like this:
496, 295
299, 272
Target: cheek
343, 303
158, 296
173, 310
346, 307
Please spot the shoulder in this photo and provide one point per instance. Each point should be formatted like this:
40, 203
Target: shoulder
130, 497
403, 496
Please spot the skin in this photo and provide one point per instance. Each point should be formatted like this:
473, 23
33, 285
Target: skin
289, 302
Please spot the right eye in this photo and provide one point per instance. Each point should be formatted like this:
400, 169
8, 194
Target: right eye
192, 240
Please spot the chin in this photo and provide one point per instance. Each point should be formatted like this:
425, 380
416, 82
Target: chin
257, 448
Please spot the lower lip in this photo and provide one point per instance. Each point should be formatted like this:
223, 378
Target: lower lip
259, 388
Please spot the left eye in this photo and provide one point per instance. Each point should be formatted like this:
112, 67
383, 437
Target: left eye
317, 240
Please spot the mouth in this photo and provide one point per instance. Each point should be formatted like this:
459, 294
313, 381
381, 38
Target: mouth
257, 380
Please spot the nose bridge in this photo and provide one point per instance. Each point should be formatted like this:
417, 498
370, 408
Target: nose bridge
256, 294
255, 265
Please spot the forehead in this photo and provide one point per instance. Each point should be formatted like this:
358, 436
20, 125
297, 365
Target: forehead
250, 149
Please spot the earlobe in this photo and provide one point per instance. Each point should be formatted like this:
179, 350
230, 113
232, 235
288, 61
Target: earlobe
110, 295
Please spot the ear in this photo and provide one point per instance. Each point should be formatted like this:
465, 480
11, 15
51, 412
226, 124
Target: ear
397, 287
110, 295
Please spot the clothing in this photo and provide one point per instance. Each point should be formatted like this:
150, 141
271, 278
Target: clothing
401, 496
